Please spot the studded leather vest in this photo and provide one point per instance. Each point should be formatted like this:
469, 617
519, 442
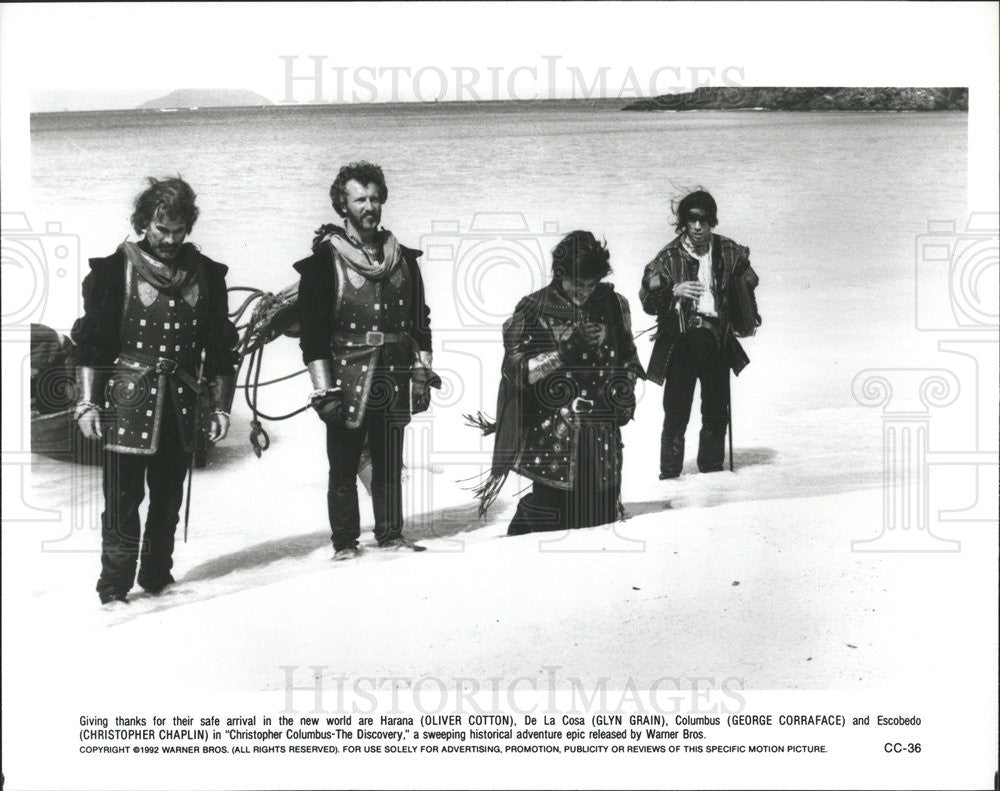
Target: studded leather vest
371, 350
569, 416
157, 365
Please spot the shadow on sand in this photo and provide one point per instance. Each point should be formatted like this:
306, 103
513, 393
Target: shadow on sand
751, 457
446, 523
420, 527
747, 457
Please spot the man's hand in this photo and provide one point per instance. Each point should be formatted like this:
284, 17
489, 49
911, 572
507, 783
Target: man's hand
422, 380
87, 415
689, 289
90, 424
218, 426
583, 337
624, 414
623, 397
329, 406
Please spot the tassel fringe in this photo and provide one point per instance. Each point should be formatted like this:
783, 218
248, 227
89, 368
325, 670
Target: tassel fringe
488, 491
482, 422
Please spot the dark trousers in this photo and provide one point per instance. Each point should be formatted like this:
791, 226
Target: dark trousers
384, 434
126, 477
696, 358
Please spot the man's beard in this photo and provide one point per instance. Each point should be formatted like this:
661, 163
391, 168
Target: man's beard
367, 222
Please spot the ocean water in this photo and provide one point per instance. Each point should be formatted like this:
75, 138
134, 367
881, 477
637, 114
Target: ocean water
830, 205
744, 576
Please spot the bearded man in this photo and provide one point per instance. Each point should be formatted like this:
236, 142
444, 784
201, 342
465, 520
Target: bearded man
156, 327
366, 339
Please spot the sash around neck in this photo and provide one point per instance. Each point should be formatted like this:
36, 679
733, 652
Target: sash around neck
356, 257
165, 278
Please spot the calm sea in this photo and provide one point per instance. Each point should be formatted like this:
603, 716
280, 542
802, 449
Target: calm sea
829, 203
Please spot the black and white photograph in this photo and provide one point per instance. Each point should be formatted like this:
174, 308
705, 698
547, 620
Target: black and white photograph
500, 395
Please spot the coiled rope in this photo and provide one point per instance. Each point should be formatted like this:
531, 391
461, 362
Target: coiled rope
256, 333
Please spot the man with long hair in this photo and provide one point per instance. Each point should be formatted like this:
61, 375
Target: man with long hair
567, 386
366, 339
156, 328
688, 287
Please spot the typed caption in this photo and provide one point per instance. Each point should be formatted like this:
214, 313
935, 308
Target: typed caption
745, 734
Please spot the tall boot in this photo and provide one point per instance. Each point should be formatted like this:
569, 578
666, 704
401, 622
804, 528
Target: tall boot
156, 557
712, 448
671, 454
345, 518
387, 507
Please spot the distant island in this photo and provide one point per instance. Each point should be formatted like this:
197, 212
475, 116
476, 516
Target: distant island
191, 98
809, 99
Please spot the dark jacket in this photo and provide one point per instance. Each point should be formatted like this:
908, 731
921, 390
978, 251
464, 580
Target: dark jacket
97, 334
672, 265
335, 317
317, 284
167, 328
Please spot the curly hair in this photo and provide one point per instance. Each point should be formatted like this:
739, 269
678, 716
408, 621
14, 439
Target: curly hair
579, 254
171, 198
364, 173
699, 199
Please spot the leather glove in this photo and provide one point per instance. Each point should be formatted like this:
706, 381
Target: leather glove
329, 406
584, 336
421, 382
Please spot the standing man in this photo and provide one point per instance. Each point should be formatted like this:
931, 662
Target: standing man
366, 339
687, 287
156, 322
567, 386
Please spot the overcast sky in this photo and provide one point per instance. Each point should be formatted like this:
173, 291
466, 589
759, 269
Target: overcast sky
116, 55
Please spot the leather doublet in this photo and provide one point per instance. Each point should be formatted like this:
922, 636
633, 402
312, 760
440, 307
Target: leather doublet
569, 415
155, 325
372, 375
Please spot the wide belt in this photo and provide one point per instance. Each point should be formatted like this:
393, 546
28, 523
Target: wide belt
371, 338
163, 365
708, 322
